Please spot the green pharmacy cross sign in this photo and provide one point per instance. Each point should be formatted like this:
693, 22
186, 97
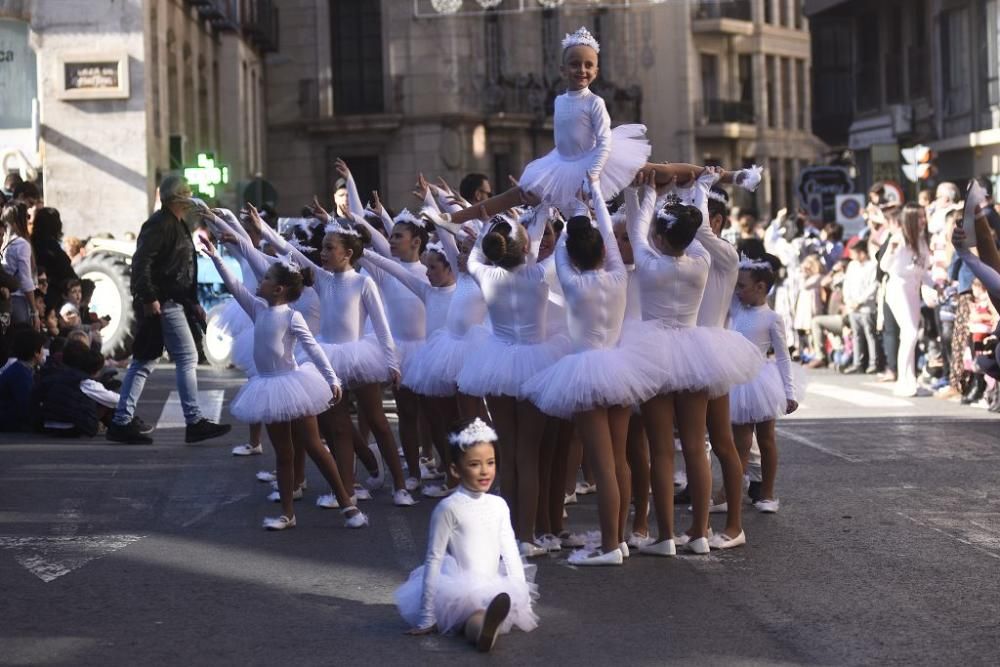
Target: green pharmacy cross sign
207, 175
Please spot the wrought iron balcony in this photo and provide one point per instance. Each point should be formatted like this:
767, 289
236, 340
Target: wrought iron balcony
740, 10
716, 112
530, 94
260, 24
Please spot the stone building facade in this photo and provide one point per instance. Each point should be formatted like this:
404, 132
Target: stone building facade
127, 90
393, 87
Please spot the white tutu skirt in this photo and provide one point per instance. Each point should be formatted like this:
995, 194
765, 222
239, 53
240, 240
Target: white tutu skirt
242, 354
232, 320
496, 368
556, 178
356, 363
405, 351
760, 400
696, 358
282, 397
434, 369
596, 378
461, 594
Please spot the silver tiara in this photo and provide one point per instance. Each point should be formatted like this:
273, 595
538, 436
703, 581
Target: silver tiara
334, 228
668, 218
407, 216
747, 264
581, 37
290, 266
298, 245
473, 434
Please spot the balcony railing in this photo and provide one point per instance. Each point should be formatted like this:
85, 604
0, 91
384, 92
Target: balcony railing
529, 94
713, 112
739, 10
260, 24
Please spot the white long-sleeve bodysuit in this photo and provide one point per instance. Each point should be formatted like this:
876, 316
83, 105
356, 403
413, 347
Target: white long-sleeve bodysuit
347, 299
474, 529
764, 328
907, 272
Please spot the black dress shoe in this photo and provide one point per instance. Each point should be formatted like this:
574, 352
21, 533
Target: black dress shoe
129, 434
204, 430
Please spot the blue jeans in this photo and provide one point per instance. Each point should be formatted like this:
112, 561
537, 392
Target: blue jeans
179, 342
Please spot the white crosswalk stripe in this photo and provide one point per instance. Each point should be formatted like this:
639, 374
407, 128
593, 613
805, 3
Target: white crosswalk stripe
859, 397
210, 401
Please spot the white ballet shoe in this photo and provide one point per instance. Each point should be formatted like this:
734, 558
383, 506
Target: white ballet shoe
357, 520
412, 484
723, 541
549, 542
684, 538
328, 501
585, 488
698, 546
769, 506
570, 540
638, 540
280, 523
436, 491
596, 558
662, 548
570, 499
275, 496
402, 498
361, 493
248, 450
721, 508
429, 473
623, 547
529, 550
266, 476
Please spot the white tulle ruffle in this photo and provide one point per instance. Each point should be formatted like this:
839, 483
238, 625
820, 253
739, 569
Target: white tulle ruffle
356, 363
460, 594
596, 378
696, 358
496, 368
405, 351
760, 400
434, 369
267, 399
242, 352
557, 179
232, 319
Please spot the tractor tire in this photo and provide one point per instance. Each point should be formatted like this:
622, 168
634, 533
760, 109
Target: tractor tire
111, 274
218, 346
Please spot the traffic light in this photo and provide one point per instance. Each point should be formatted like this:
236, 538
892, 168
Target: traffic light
919, 163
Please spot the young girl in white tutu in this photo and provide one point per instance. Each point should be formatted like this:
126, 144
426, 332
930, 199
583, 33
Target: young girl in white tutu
473, 580
691, 360
598, 383
503, 262
755, 405
348, 299
435, 290
284, 396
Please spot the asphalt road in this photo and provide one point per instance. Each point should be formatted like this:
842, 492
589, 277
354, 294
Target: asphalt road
886, 550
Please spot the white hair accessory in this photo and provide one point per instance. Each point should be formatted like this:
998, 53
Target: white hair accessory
298, 245
473, 434
749, 178
334, 228
407, 216
747, 264
719, 196
290, 266
581, 37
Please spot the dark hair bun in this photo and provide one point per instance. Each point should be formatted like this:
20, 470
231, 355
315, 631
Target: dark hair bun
579, 225
584, 243
495, 245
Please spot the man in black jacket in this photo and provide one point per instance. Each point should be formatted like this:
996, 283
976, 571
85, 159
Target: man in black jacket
164, 291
